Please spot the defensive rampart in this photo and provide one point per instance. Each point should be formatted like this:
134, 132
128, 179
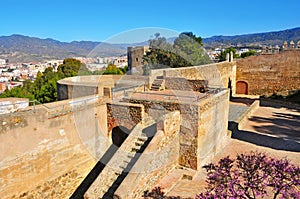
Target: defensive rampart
46, 151
267, 74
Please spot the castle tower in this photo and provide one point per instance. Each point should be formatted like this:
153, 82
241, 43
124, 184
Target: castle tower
135, 58
264, 49
270, 49
292, 44
276, 49
285, 45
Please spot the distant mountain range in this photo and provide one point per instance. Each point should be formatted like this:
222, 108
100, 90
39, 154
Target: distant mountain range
268, 38
19, 48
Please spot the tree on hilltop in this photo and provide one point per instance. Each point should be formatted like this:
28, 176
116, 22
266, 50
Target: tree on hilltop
187, 50
71, 67
249, 53
112, 69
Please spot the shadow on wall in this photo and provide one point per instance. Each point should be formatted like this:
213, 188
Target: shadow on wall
149, 132
119, 135
95, 172
278, 143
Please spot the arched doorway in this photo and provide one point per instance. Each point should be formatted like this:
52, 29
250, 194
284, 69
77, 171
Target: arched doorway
242, 88
119, 135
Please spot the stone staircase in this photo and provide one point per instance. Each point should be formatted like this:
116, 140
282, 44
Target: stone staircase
157, 85
121, 163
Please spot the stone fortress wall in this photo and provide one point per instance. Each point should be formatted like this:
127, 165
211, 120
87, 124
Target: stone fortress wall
159, 158
221, 75
101, 85
56, 145
206, 119
186, 134
43, 154
217, 74
268, 74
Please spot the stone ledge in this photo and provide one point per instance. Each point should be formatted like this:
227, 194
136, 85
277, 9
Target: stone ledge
247, 114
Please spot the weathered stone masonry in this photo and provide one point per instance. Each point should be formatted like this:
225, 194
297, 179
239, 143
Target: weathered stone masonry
268, 74
44, 156
199, 121
124, 114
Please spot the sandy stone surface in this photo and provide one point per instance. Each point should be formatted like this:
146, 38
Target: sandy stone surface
60, 187
278, 132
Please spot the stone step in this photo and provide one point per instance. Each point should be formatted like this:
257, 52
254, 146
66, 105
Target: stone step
139, 144
135, 149
155, 85
158, 81
101, 194
123, 164
109, 183
130, 156
142, 138
142, 141
126, 161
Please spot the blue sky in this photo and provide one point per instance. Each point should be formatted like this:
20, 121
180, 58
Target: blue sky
98, 20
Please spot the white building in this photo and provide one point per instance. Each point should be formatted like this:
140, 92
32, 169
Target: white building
243, 50
2, 62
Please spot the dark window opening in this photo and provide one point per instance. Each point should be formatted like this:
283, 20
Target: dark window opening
119, 135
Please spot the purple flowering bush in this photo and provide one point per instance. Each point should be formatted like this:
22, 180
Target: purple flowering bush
157, 193
252, 175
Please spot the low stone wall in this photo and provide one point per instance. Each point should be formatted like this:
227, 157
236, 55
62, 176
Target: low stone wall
203, 127
44, 156
217, 74
176, 83
157, 161
212, 127
126, 90
80, 86
244, 117
65, 92
9, 105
